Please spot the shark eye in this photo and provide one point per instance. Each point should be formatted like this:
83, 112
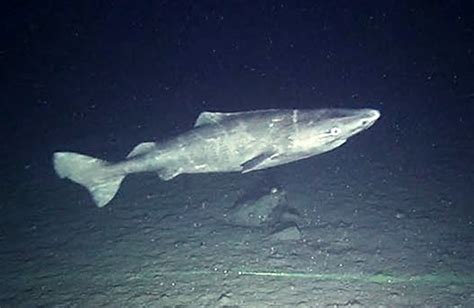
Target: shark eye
335, 131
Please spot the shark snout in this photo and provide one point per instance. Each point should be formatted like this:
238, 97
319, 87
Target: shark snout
375, 114
370, 118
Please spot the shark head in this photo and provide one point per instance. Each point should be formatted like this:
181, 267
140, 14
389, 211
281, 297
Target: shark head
320, 131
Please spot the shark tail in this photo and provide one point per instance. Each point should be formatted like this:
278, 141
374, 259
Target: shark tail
90, 172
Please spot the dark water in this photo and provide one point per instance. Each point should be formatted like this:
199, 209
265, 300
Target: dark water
386, 219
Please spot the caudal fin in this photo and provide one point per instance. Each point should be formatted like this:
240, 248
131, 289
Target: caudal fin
91, 173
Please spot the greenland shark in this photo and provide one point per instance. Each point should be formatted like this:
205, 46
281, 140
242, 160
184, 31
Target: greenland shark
222, 142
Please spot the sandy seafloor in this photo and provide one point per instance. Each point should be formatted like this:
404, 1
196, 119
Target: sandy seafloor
382, 225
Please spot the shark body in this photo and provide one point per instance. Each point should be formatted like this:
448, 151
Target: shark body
222, 142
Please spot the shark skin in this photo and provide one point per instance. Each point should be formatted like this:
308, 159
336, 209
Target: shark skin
222, 142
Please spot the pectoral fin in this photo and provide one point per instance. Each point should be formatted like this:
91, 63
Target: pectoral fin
258, 162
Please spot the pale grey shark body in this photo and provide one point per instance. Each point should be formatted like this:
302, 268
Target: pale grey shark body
222, 142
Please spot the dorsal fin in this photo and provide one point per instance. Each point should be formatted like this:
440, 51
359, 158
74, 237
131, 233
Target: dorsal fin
211, 118
142, 148
207, 117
